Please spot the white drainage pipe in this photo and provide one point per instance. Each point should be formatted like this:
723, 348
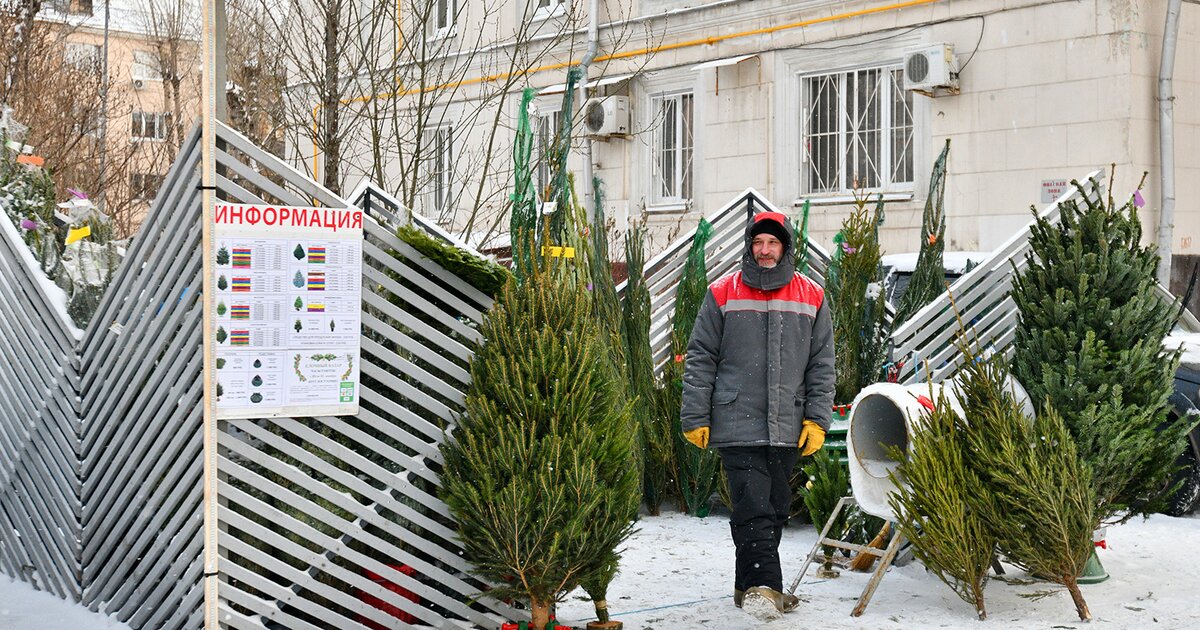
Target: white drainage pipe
882, 418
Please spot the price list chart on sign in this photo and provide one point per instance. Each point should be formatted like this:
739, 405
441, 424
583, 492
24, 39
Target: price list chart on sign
287, 310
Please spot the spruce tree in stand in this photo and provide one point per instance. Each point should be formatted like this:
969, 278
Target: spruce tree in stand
1090, 340
537, 472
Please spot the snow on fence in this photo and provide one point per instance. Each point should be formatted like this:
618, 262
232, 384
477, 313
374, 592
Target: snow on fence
982, 298
39, 425
323, 522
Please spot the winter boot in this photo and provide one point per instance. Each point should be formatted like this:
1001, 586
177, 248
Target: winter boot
768, 604
738, 595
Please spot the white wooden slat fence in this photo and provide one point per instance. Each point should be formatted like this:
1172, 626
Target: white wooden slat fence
323, 522
39, 426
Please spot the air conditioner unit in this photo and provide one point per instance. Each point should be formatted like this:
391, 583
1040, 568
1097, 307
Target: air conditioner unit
930, 68
606, 116
139, 84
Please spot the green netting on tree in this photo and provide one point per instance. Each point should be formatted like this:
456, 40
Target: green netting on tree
929, 276
523, 221
698, 469
854, 286
800, 238
560, 190
692, 285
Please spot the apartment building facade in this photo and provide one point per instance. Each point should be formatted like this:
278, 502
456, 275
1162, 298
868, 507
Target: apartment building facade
154, 79
812, 101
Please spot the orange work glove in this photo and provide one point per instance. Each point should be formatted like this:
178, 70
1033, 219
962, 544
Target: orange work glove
699, 437
812, 436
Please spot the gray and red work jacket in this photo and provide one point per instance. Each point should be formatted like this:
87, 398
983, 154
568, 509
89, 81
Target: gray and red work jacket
760, 358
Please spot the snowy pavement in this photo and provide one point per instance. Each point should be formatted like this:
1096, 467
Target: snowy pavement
23, 608
676, 575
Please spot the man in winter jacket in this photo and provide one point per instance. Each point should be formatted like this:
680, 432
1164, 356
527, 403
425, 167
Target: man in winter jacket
758, 387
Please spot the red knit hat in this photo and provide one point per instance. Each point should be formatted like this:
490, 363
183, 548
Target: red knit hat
773, 223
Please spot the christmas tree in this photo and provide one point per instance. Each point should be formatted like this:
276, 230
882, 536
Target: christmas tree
537, 474
699, 469
657, 438
854, 290
524, 215
222, 256
1090, 341
1037, 495
929, 276
933, 505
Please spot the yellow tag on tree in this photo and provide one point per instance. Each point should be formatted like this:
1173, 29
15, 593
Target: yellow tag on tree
558, 252
78, 233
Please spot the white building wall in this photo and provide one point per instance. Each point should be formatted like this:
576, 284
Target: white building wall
1049, 90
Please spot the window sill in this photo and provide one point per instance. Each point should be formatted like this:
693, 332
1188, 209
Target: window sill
440, 34
839, 199
542, 15
669, 207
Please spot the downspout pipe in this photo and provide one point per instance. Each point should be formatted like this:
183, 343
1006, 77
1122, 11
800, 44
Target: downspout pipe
1166, 141
593, 46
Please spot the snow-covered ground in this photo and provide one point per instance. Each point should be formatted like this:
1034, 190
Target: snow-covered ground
23, 608
676, 574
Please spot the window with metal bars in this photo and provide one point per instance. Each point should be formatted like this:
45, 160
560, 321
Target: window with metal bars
548, 8
673, 148
857, 131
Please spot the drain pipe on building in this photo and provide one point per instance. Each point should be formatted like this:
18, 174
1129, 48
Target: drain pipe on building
593, 46
1166, 142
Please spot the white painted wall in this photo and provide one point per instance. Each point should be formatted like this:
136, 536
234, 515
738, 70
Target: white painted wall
1049, 90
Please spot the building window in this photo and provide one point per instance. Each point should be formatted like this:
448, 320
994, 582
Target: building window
438, 146
546, 128
673, 148
82, 57
445, 17
144, 186
857, 131
145, 66
69, 7
548, 8
150, 125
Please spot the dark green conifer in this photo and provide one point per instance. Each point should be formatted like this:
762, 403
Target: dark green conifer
1090, 341
537, 474
933, 505
1037, 500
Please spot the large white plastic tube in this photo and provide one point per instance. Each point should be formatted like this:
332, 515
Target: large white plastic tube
881, 420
